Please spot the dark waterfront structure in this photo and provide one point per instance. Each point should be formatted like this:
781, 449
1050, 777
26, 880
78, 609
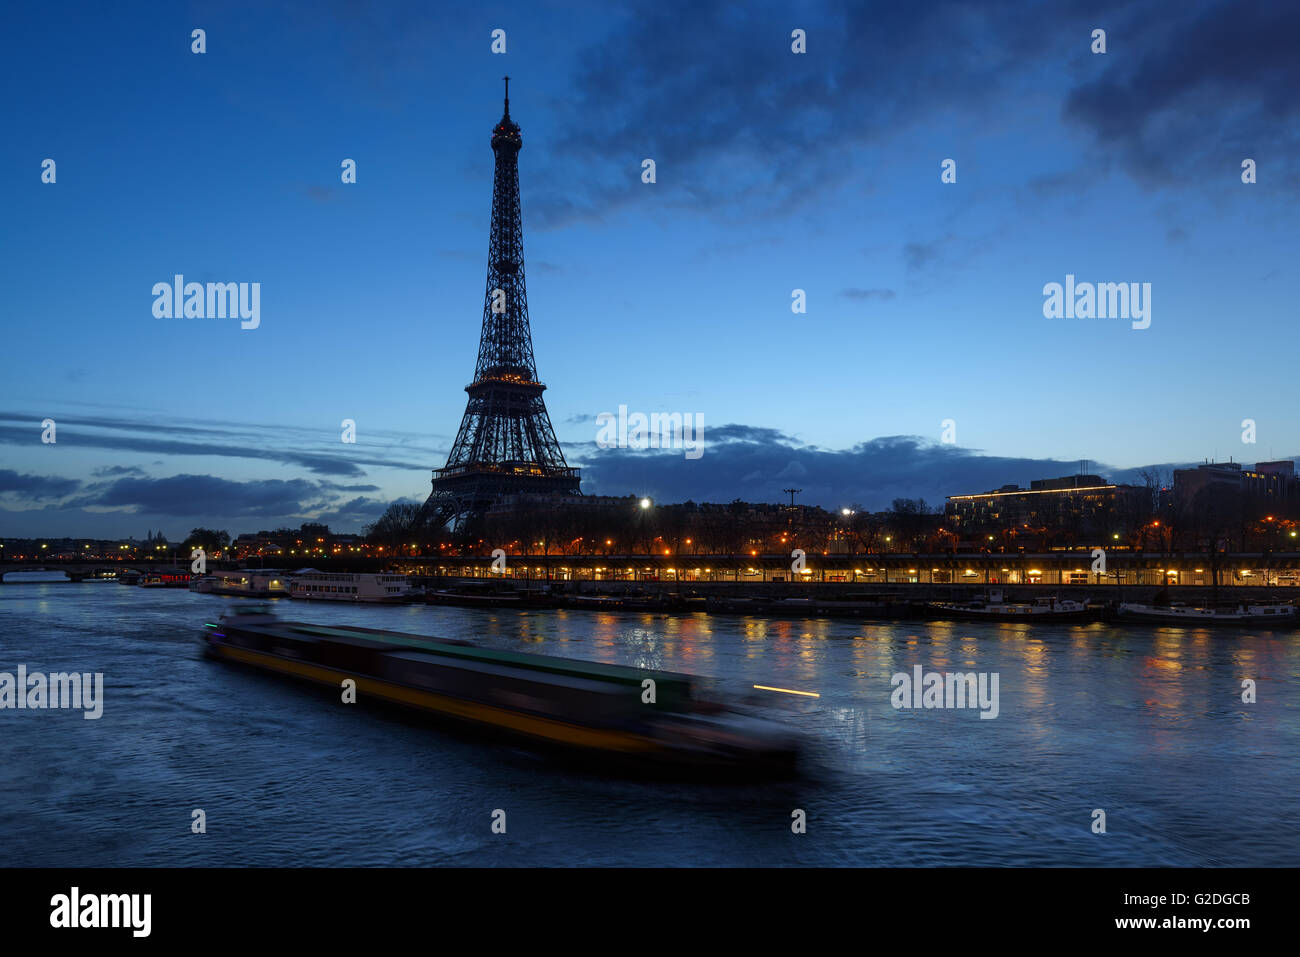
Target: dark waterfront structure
1268, 486
1055, 572
506, 445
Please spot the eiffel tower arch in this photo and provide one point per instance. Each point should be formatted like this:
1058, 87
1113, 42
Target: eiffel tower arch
505, 445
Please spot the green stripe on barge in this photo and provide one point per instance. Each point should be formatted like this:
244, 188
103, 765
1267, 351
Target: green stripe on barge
671, 685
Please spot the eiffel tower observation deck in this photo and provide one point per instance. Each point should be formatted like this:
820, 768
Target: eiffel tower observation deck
506, 445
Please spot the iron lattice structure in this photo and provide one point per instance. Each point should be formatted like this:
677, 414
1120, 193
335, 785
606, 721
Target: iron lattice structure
506, 445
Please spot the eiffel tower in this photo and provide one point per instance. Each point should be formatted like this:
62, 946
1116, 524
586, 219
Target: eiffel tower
505, 445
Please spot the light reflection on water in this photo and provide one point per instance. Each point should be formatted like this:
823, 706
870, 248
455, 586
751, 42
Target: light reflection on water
1146, 723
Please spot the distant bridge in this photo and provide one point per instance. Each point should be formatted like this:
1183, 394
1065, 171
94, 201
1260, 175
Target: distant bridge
81, 570
78, 569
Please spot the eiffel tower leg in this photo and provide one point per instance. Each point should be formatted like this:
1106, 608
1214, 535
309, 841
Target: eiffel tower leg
442, 509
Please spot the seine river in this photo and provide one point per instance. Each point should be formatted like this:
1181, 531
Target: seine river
1145, 724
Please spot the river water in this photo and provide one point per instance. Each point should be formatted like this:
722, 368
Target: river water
1144, 723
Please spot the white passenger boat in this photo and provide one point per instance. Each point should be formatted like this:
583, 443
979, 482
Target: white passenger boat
351, 586
1241, 614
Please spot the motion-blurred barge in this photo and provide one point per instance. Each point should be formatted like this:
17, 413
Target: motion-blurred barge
586, 707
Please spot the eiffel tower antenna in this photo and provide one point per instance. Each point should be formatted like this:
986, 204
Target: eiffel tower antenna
506, 445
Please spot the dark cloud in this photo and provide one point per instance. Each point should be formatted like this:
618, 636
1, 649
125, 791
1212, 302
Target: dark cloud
881, 294
916, 256
756, 464
302, 448
356, 513
334, 487
36, 487
928, 261
182, 502
198, 498
737, 123
735, 434
1188, 91
189, 495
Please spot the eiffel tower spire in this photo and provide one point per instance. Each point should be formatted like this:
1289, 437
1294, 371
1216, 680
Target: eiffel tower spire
506, 444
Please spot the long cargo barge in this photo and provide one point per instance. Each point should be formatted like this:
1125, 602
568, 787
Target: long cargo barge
587, 708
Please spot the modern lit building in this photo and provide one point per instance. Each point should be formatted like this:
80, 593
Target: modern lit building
1080, 504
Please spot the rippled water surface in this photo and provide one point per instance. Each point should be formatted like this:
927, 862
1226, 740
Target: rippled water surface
1146, 724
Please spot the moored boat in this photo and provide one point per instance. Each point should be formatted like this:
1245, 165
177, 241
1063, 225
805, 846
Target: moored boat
1279, 614
593, 709
645, 602
994, 608
490, 595
373, 587
251, 583
732, 605
473, 600
602, 602
850, 606
866, 605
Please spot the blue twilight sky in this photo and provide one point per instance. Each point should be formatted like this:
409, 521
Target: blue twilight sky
775, 171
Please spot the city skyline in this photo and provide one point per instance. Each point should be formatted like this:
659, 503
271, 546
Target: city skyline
925, 301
